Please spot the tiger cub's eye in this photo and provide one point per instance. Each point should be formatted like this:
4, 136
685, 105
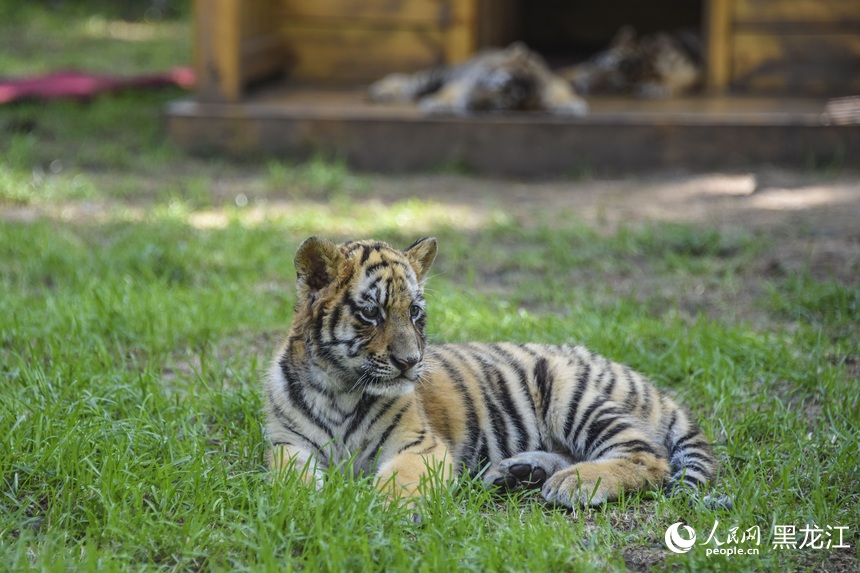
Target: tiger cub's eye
414, 311
370, 314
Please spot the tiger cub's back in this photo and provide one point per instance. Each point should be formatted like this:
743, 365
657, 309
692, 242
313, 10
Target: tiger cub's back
492, 401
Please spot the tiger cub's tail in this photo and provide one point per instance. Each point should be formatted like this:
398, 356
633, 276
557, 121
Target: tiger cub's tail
691, 461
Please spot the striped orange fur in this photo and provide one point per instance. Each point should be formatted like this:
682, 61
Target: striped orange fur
356, 380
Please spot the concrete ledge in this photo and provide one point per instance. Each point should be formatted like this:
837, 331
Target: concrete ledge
617, 136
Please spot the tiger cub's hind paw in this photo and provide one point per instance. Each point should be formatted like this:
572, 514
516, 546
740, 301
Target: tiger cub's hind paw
528, 470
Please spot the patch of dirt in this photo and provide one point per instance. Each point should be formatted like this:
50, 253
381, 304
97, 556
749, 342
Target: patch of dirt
643, 558
816, 217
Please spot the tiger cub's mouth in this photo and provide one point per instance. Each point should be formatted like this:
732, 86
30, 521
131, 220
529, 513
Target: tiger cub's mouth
387, 383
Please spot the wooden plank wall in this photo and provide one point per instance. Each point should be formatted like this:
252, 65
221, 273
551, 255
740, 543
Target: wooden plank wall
235, 44
354, 41
785, 47
498, 23
718, 21
779, 47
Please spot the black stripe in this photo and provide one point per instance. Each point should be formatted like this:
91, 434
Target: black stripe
517, 366
573, 408
544, 384
680, 443
493, 392
594, 410
387, 433
297, 398
382, 411
348, 301
696, 467
389, 288
455, 376
333, 415
648, 399
504, 390
612, 380
533, 353
370, 269
610, 433
288, 423
671, 426
365, 403
498, 422
497, 419
697, 444
632, 394
636, 446
433, 445
319, 324
421, 435
608, 430
483, 455
350, 247
597, 427
334, 317
510, 407
693, 481
691, 454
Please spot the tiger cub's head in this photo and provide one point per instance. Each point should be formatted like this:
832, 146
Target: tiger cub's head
360, 311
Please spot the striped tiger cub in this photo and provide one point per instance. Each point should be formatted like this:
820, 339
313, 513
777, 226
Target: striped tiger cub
654, 66
356, 380
510, 79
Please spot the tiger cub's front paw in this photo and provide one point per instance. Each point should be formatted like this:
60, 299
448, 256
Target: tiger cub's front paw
594, 483
528, 470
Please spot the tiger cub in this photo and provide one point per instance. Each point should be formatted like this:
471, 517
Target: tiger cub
654, 66
356, 380
511, 79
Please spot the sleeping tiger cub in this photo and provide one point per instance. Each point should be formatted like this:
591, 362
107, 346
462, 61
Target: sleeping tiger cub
356, 380
511, 79
660, 65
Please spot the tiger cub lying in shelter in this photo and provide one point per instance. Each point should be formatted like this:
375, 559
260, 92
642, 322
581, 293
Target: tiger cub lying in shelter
356, 380
659, 65
512, 79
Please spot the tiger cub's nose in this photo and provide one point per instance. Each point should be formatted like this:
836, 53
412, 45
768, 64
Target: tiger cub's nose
405, 363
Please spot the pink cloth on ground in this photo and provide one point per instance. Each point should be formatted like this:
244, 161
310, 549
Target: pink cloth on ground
83, 85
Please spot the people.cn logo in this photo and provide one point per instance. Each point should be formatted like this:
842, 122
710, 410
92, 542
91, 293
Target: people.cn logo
676, 542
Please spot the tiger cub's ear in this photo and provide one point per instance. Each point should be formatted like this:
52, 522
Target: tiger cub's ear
318, 262
421, 255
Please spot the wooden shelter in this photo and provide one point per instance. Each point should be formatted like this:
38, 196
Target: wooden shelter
288, 77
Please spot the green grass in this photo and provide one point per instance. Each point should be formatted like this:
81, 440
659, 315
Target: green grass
122, 37
133, 354
142, 293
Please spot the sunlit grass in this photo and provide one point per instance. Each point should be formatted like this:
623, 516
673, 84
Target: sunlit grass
20, 186
35, 40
